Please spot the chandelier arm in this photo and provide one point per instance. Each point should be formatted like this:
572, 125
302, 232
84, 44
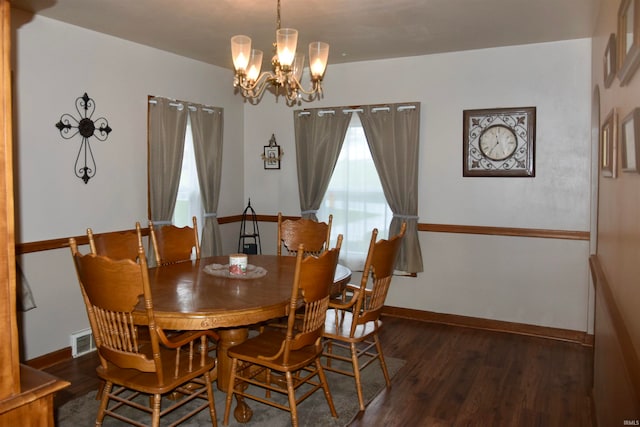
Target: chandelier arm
262, 80
259, 87
252, 93
316, 86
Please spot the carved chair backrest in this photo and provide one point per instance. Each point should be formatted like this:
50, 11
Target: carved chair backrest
173, 244
313, 235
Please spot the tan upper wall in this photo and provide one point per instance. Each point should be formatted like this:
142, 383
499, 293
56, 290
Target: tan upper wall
619, 197
617, 329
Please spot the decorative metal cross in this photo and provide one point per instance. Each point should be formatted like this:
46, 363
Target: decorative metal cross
87, 128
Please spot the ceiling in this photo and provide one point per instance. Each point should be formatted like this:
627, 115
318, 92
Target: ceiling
357, 30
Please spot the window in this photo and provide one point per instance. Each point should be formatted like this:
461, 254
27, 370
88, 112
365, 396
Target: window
189, 201
355, 199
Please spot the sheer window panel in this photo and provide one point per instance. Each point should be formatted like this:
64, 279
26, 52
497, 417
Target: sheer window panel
189, 201
355, 199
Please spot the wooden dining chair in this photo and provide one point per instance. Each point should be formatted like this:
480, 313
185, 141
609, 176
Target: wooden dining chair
141, 371
116, 244
293, 352
353, 324
313, 235
173, 244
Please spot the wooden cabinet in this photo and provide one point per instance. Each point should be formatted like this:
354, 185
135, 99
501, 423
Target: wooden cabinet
33, 405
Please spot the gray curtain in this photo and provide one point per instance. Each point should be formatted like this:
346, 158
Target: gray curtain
393, 135
167, 128
319, 136
207, 127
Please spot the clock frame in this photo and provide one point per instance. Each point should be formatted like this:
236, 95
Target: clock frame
521, 163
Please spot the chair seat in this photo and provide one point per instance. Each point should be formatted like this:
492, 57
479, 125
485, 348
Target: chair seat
338, 326
147, 382
267, 344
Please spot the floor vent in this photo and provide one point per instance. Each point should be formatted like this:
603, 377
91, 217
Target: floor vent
82, 342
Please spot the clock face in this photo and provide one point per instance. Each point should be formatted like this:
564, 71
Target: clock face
498, 142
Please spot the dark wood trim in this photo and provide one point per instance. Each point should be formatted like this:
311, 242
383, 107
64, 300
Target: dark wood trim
232, 218
260, 218
505, 231
46, 245
50, 359
470, 229
579, 337
622, 337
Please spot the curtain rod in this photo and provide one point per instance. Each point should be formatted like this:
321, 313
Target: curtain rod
356, 109
181, 105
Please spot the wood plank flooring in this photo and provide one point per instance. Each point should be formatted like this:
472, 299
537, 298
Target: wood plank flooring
454, 376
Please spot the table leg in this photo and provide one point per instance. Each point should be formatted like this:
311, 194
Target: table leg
228, 338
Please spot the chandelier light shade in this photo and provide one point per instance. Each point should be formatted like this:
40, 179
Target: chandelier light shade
255, 65
286, 42
240, 50
286, 67
318, 56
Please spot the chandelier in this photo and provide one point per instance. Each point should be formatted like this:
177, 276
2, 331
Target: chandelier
286, 67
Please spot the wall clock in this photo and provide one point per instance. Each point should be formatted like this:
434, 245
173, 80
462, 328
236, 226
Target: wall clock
499, 142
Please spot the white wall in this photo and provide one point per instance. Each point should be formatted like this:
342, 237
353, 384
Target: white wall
528, 280
535, 281
54, 64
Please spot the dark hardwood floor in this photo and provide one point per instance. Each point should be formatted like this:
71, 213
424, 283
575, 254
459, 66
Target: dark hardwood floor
454, 376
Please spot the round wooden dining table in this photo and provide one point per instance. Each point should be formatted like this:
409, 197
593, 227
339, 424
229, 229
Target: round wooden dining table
186, 296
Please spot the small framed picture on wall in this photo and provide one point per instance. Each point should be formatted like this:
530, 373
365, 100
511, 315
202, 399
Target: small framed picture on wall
271, 157
272, 154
